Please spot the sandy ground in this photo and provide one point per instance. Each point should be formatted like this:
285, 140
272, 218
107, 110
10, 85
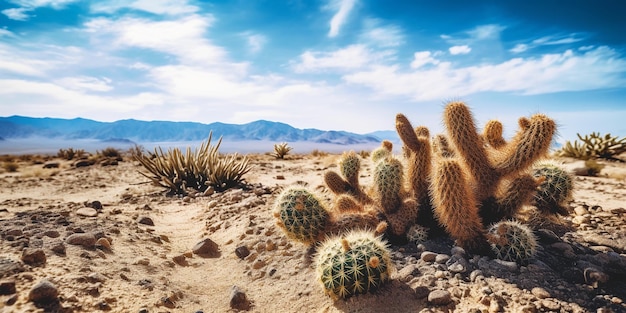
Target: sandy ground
151, 268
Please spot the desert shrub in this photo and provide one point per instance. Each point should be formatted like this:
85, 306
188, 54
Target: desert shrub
10, 167
71, 154
593, 168
281, 150
594, 146
110, 152
364, 154
318, 153
194, 171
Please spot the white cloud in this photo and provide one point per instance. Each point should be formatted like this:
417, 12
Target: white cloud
161, 7
546, 41
484, 32
86, 83
256, 42
55, 4
18, 14
385, 36
519, 48
422, 58
343, 8
350, 58
465, 49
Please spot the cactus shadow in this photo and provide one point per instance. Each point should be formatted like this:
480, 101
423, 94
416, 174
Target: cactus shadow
395, 296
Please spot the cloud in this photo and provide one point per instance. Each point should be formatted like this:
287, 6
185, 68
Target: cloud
350, 58
343, 8
160, 7
465, 49
384, 36
32, 4
422, 58
546, 41
86, 83
255, 42
18, 14
483, 32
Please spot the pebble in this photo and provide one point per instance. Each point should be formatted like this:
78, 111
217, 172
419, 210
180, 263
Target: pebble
103, 243
540, 293
43, 292
145, 220
238, 299
408, 272
439, 297
421, 292
242, 252
86, 240
33, 257
428, 256
7, 287
442, 258
550, 305
206, 247
58, 248
475, 274
456, 268
580, 210
87, 212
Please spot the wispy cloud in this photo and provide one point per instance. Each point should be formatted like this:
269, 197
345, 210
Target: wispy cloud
353, 57
255, 42
464, 49
422, 58
343, 8
161, 7
18, 14
27, 6
546, 41
377, 33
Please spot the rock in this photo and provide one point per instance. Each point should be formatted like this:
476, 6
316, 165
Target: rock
547, 236
428, 256
87, 240
52, 233
407, 273
550, 305
145, 220
97, 205
58, 248
103, 243
475, 274
456, 268
33, 257
96, 277
238, 299
540, 293
442, 258
594, 277
439, 297
51, 164
207, 248
180, 260
580, 210
457, 251
242, 252
11, 300
7, 287
43, 292
88, 212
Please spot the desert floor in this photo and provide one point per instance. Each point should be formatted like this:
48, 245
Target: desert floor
143, 261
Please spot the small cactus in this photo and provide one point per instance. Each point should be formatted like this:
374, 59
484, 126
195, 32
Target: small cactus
349, 165
301, 215
355, 263
388, 181
555, 190
512, 241
382, 152
417, 234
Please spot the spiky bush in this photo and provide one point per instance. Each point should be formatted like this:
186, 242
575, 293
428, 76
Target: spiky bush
194, 170
417, 234
281, 150
555, 190
593, 146
301, 215
513, 241
354, 263
71, 154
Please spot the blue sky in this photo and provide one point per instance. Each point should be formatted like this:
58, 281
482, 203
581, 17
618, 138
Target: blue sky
332, 64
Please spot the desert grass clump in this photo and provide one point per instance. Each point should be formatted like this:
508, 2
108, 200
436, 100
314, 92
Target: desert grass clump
318, 153
71, 154
10, 166
194, 171
594, 146
281, 150
110, 152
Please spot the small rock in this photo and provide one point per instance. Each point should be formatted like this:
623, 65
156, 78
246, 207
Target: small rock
88, 212
428, 256
51, 164
475, 274
439, 297
442, 258
11, 300
238, 299
104, 244
242, 252
550, 305
43, 292
145, 220
180, 260
206, 247
580, 210
97, 205
58, 248
52, 233
96, 278
33, 256
407, 273
7, 287
142, 261
87, 240
457, 251
540, 293
456, 268
421, 292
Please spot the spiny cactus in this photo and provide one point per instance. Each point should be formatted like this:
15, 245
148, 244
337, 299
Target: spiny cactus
388, 184
555, 190
417, 234
382, 152
354, 263
594, 145
301, 215
281, 150
512, 241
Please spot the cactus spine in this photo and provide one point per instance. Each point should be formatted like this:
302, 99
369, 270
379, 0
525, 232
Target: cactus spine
555, 190
301, 215
354, 263
512, 241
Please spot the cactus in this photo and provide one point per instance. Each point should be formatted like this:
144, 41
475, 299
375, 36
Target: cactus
301, 215
382, 152
512, 241
349, 166
556, 189
594, 146
417, 234
388, 184
355, 263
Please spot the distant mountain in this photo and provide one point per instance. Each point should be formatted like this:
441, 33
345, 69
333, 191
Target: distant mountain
390, 135
15, 127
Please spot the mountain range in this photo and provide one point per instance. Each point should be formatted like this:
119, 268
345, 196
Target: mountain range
19, 127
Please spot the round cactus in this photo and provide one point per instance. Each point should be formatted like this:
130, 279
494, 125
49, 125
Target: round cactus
417, 234
388, 182
301, 215
512, 241
355, 263
379, 154
555, 190
349, 166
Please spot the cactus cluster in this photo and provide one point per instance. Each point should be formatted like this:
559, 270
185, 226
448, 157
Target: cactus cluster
512, 241
594, 146
354, 263
459, 182
556, 189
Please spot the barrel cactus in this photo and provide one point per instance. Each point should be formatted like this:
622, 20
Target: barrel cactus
555, 190
512, 241
301, 215
354, 263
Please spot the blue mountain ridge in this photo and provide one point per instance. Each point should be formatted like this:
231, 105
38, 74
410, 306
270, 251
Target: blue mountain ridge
16, 127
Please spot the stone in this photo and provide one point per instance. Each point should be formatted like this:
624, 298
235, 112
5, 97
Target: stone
207, 248
540, 293
87, 240
428, 256
58, 248
550, 305
87, 212
33, 257
51, 164
580, 210
475, 274
103, 243
439, 297
456, 268
238, 299
52, 233
7, 287
43, 292
407, 273
442, 258
145, 220
242, 252
180, 260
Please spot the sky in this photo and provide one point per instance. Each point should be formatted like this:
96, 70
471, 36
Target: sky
331, 64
